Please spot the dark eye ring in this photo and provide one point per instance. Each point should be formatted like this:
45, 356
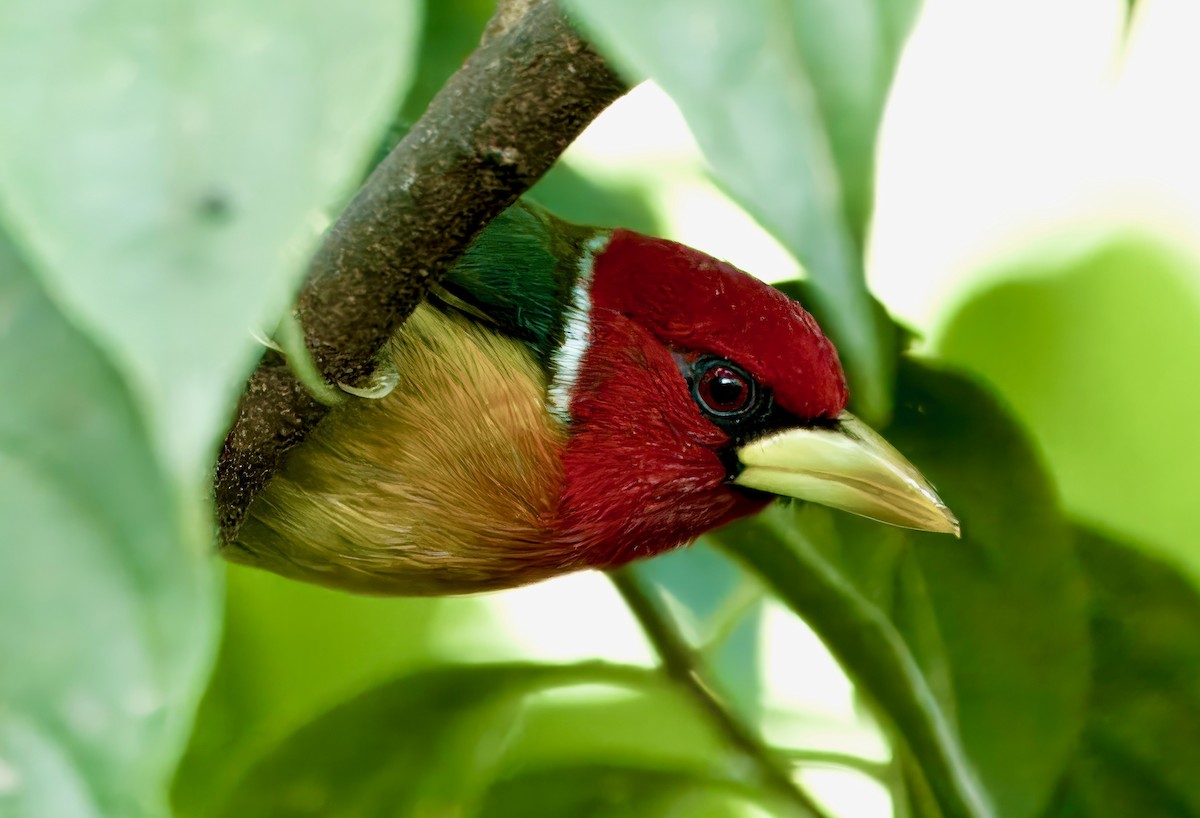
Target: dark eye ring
722, 388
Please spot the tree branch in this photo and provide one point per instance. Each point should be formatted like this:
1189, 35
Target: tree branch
682, 666
496, 126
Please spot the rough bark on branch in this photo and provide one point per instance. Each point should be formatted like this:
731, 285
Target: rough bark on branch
496, 126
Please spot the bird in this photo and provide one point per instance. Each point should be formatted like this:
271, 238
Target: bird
569, 398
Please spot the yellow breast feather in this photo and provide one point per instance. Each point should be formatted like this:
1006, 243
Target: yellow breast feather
448, 484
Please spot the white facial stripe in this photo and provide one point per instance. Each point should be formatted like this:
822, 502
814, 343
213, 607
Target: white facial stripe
577, 334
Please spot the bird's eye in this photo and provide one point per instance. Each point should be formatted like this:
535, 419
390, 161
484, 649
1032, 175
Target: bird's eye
721, 388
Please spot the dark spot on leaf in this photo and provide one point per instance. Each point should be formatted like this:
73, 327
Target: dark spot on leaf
215, 208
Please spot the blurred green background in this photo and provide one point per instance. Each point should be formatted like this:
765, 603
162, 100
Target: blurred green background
1029, 217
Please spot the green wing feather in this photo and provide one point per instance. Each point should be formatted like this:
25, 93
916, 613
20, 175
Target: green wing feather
520, 273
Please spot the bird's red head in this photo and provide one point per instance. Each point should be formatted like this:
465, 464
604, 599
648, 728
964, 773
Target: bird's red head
688, 359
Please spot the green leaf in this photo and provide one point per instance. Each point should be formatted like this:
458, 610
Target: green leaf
1090, 350
1141, 747
611, 791
976, 651
36, 777
168, 166
426, 744
651, 726
162, 180
603, 203
106, 597
290, 649
784, 98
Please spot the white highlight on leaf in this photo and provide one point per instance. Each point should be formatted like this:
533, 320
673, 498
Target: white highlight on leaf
86, 714
143, 701
10, 779
577, 333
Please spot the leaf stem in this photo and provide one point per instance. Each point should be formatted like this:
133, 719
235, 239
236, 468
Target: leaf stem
682, 665
743, 599
832, 758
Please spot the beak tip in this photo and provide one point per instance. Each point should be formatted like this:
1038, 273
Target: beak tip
952, 525
948, 522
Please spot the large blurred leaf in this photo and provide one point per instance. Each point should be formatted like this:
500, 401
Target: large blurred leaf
975, 650
1095, 352
43, 781
163, 161
784, 97
426, 744
652, 726
160, 180
106, 601
1141, 747
290, 652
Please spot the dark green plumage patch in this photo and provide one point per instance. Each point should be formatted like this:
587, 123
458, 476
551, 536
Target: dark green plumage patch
520, 272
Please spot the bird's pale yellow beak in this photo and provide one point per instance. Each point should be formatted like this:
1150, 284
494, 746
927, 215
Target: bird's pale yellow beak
845, 466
